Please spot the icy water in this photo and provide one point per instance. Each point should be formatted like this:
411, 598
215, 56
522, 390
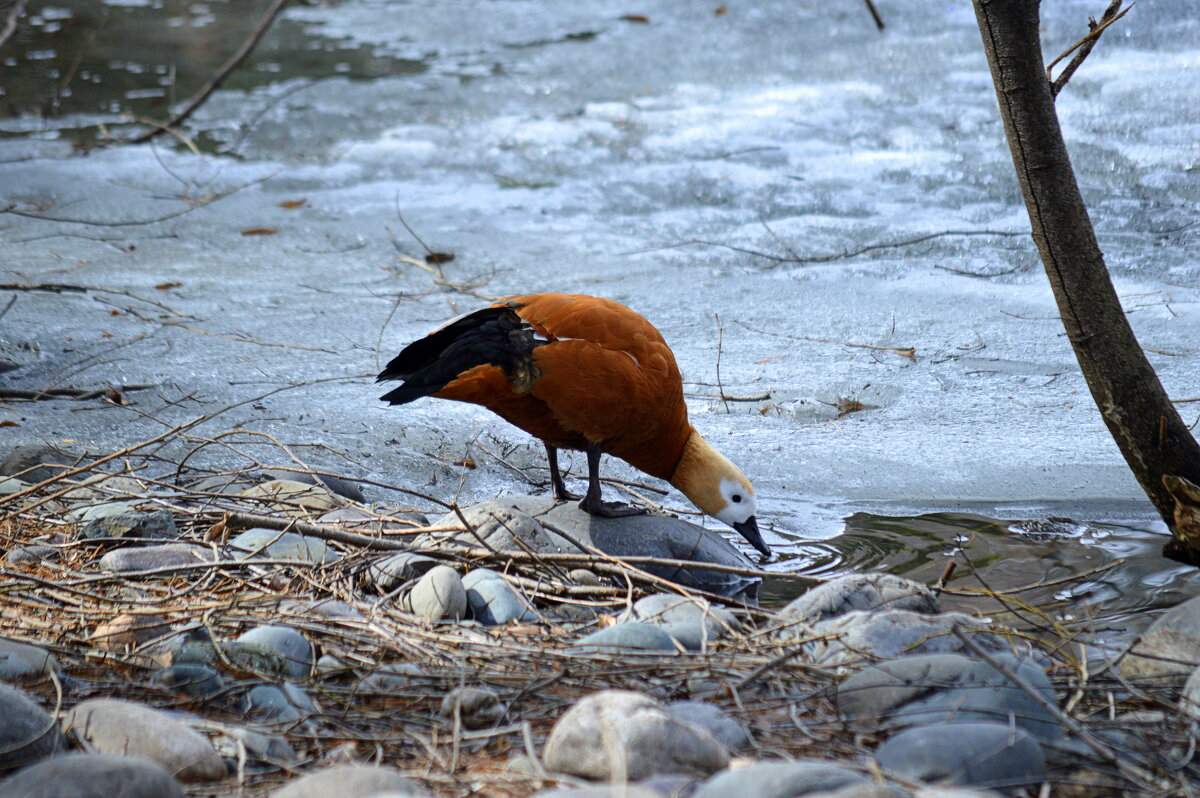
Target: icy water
820, 217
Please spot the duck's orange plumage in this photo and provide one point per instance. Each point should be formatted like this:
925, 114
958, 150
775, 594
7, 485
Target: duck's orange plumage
579, 372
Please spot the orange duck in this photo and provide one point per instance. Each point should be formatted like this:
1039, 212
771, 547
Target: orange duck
584, 373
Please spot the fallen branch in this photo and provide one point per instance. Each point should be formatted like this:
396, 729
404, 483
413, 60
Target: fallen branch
1084, 46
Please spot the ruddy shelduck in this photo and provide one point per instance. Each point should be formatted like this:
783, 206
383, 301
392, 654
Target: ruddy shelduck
583, 373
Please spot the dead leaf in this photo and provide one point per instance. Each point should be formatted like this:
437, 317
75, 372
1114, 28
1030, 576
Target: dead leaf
721, 11
846, 406
115, 312
290, 204
7, 423
167, 286
260, 231
116, 396
642, 18
438, 258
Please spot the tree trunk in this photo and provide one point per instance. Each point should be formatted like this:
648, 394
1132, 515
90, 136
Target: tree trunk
1153, 438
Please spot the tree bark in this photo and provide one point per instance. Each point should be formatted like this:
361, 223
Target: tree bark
1156, 443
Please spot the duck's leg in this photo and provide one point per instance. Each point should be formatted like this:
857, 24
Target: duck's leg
592, 503
557, 488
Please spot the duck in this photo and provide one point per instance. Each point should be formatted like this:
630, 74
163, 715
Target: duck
580, 373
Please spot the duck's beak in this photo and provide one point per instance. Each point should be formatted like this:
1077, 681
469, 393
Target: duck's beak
749, 530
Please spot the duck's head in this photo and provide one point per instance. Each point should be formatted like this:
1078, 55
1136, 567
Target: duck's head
718, 488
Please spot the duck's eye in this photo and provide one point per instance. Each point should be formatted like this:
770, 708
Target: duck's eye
737, 498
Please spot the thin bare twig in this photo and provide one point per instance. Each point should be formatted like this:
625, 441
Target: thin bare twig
1083, 46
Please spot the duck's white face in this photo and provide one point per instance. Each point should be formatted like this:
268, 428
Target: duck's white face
739, 503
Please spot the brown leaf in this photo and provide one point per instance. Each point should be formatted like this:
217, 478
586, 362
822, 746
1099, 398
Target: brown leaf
167, 286
642, 18
721, 11
290, 204
116, 396
115, 312
260, 231
438, 258
7, 423
846, 406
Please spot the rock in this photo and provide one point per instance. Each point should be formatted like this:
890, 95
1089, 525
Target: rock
437, 595
284, 703
873, 591
477, 708
392, 677
780, 780
291, 497
92, 776
341, 487
24, 660
11, 485
144, 558
502, 522
888, 634
221, 484
1168, 650
388, 573
94, 512
727, 731
977, 754
328, 664
349, 781
194, 681
333, 609
32, 553
692, 622
274, 545
605, 791
953, 792
38, 462
141, 524
260, 747
629, 636
288, 642
492, 600
113, 726
127, 631
1189, 701
27, 732
102, 487
582, 576
253, 658
623, 735
942, 688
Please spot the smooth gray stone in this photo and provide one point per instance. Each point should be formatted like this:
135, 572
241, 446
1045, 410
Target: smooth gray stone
478, 708
341, 487
332, 609
873, 591
132, 524
32, 553
1169, 650
780, 780
24, 660
37, 462
271, 544
728, 732
264, 747
1189, 701
223, 484
393, 677
692, 635
284, 702
642, 739
92, 776
93, 512
941, 688
11, 485
197, 681
388, 573
262, 660
292, 645
350, 781
27, 732
993, 755
606, 791
665, 609
143, 558
888, 634
501, 522
114, 726
438, 595
493, 601
629, 636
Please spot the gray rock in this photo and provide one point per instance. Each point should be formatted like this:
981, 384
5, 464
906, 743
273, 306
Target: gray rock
727, 731
32, 553
132, 524
38, 462
477, 707
1189, 701
11, 485
388, 573
940, 688
143, 558
630, 636
349, 781
622, 735
195, 681
274, 545
27, 732
873, 591
288, 642
665, 609
260, 747
692, 636
101, 487
112, 726
888, 634
92, 776
780, 780
492, 600
977, 754
341, 487
284, 703
582, 576
222, 484
1169, 650
605, 791
437, 595
393, 677
24, 661
333, 609
501, 522
293, 498
93, 512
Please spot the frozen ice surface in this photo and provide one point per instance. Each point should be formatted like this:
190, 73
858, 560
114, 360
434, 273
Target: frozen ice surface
695, 167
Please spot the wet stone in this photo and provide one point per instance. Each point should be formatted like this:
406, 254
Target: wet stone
113, 726
283, 702
94, 512
127, 631
493, 601
1175, 638
144, 558
132, 524
866, 592
438, 595
194, 681
341, 487
976, 754
646, 740
781, 780
289, 643
350, 781
271, 544
33, 553
477, 708
629, 636
889, 634
24, 661
727, 731
27, 733
388, 573
92, 776
665, 609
